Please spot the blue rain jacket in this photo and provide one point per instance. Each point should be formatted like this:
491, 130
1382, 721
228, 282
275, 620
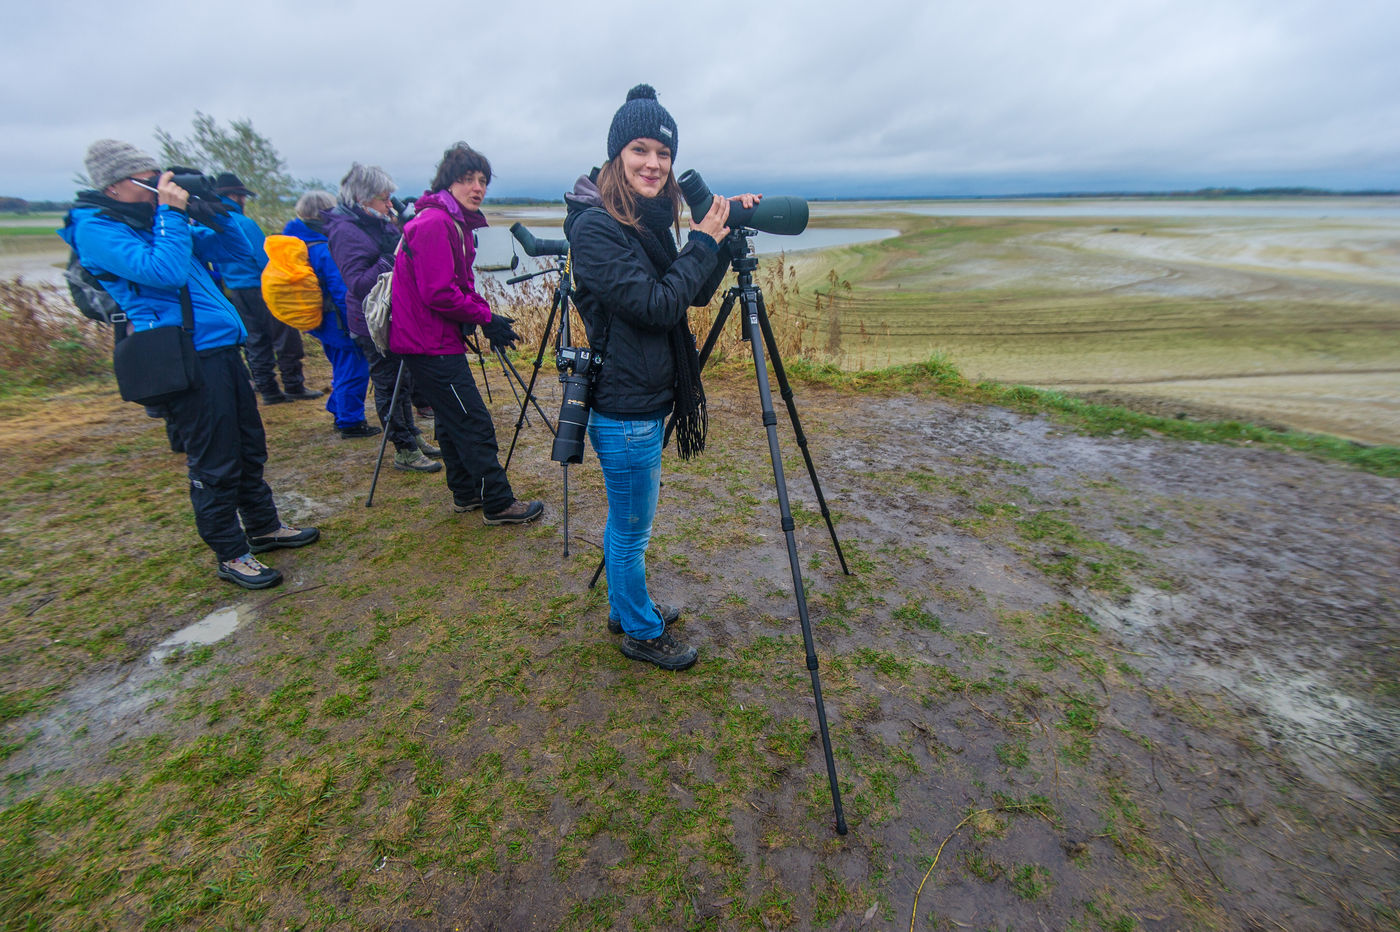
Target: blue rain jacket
152, 265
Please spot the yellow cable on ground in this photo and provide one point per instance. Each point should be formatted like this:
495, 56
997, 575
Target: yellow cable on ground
913, 913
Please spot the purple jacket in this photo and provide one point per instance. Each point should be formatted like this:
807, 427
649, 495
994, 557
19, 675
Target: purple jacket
434, 287
362, 246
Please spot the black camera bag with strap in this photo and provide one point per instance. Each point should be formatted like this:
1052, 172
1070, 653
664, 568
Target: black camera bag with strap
154, 366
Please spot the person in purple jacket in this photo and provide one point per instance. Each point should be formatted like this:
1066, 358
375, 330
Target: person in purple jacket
434, 299
363, 237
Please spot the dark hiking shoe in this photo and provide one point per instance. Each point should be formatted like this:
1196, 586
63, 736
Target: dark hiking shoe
663, 650
411, 459
518, 513
247, 571
302, 394
425, 413
669, 616
274, 398
460, 505
361, 429
284, 537
426, 448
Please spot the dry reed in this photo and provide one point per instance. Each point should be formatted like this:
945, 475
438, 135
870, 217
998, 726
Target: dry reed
44, 341
805, 329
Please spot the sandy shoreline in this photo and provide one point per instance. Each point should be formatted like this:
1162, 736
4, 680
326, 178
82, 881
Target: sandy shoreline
1340, 255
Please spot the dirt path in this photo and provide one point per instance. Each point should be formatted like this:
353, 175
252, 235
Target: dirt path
1075, 682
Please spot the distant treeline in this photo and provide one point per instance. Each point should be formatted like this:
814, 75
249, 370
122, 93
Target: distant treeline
1236, 192
18, 205
1201, 193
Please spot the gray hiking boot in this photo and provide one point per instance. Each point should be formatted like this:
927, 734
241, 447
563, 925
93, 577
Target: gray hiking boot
249, 572
663, 650
413, 460
517, 513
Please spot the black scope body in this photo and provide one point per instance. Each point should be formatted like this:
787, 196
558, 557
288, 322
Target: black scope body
196, 183
538, 246
204, 205
779, 214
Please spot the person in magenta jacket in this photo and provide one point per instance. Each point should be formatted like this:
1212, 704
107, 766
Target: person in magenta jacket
434, 302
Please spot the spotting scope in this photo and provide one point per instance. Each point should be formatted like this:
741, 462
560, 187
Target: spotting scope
785, 216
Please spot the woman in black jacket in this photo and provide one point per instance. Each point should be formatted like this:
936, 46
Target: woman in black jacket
633, 290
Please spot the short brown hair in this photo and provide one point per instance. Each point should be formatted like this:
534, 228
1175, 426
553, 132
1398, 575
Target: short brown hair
458, 162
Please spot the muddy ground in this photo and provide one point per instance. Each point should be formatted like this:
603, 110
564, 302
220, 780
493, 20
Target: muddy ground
1104, 682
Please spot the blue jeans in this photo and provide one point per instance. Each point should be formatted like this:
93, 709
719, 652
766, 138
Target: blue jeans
349, 373
630, 454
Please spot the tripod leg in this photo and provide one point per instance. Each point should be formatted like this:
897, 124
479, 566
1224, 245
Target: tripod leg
539, 359
475, 347
752, 314
785, 389
566, 509
384, 441
514, 373
506, 368
717, 326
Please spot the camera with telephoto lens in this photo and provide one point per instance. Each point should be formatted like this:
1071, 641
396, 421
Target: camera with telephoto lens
780, 214
578, 366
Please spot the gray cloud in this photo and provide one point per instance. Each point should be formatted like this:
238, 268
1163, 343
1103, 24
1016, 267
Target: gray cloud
908, 95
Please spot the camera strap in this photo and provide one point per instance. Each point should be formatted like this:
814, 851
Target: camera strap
186, 317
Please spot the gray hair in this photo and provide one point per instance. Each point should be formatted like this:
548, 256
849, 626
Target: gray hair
312, 203
364, 182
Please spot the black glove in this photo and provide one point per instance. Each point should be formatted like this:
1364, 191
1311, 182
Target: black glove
499, 332
209, 213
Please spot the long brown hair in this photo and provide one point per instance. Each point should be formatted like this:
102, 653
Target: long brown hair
620, 201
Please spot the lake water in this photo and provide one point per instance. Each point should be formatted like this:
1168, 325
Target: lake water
1371, 208
498, 246
1379, 207
495, 244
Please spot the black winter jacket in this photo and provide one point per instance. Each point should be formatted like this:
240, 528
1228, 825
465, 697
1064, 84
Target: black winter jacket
628, 307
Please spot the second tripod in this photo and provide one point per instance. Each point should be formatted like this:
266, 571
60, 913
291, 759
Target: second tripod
576, 365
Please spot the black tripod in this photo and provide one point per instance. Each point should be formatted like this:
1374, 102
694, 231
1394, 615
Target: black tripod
756, 324
475, 347
558, 308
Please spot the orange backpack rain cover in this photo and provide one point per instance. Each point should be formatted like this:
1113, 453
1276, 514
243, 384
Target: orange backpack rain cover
289, 283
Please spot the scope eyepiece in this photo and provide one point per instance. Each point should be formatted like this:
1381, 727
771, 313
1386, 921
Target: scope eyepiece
537, 246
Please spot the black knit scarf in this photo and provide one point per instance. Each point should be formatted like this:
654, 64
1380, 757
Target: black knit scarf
688, 416
139, 216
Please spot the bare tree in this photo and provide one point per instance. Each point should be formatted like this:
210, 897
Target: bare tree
244, 151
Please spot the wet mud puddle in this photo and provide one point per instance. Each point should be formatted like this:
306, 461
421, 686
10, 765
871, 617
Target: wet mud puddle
116, 705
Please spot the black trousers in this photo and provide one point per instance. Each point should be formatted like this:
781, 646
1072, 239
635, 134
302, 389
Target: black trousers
465, 430
270, 343
399, 423
226, 450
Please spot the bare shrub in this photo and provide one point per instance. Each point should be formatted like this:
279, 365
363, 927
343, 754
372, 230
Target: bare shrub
44, 341
808, 329
529, 303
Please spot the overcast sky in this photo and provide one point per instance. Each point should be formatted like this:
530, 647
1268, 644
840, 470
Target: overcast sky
812, 98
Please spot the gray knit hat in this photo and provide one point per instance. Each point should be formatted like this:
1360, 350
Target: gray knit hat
641, 118
111, 160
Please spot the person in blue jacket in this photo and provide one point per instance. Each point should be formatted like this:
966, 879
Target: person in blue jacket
268, 337
349, 370
132, 231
